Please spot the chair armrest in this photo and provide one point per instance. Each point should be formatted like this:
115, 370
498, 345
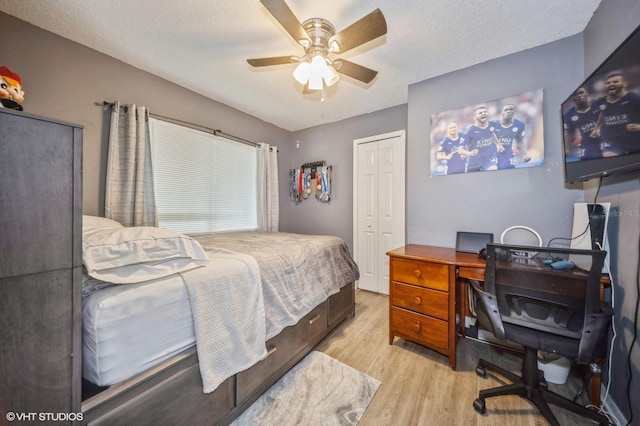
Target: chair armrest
595, 325
490, 304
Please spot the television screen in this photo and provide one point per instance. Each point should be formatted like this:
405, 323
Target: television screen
601, 118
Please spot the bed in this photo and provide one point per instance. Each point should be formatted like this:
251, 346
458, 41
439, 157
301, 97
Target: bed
196, 328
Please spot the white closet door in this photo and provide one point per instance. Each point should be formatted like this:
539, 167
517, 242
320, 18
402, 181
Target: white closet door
379, 206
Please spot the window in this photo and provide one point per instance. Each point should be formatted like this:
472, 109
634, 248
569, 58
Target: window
203, 183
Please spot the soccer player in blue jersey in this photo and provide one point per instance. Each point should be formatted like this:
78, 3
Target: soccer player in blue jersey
478, 143
579, 122
619, 120
509, 138
449, 151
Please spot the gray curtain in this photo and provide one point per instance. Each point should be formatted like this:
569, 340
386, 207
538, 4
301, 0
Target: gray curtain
268, 200
129, 196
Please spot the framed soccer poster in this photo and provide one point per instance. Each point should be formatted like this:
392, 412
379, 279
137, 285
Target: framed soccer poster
501, 134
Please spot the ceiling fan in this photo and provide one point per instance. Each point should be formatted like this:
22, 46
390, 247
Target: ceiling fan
318, 37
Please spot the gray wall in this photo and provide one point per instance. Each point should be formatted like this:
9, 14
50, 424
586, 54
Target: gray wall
333, 143
538, 197
491, 201
64, 80
610, 25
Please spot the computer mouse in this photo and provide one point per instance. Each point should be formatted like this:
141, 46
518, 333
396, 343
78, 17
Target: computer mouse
563, 264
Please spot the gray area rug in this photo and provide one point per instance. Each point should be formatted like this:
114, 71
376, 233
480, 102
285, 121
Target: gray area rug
318, 391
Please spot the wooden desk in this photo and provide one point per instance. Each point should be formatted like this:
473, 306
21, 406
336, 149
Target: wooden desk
428, 289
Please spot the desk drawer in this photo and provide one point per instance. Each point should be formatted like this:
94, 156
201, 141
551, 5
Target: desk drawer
471, 273
423, 300
425, 274
419, 328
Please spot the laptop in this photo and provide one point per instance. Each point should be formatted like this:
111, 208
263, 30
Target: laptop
472, 242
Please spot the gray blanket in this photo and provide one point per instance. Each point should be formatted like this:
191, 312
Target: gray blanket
298, 271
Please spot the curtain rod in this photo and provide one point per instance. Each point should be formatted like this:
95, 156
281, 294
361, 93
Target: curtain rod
215, 132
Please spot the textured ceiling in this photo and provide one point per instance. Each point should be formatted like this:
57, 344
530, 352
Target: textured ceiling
203, 44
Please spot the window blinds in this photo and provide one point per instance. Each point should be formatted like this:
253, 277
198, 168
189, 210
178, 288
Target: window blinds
203, 183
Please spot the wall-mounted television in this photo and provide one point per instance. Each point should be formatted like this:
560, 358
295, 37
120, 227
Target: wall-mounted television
601, 118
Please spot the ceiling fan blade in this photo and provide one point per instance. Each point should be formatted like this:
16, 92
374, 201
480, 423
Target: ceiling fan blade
366, 29
275, 60
356, 71
286, 18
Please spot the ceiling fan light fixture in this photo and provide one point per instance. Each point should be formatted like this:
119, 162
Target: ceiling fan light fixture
315, 83
302, 73
318, 64
318, 71
331, 76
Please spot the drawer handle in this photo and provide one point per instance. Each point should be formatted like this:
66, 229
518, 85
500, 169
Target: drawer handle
417, 300
418, 273
314, 319
271, 350
417, 327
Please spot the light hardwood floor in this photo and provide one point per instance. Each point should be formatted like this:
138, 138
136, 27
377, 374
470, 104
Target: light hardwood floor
418, 386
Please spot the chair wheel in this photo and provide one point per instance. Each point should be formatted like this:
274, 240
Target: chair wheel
481, 372
480, 406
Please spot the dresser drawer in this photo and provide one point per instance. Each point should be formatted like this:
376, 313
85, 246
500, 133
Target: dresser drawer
420, 328
425, 274
419, 299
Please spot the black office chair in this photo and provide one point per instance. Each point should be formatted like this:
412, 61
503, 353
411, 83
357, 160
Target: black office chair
531, 302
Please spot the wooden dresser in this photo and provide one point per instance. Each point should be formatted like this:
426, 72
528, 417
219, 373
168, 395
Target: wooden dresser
422, 297
40, 265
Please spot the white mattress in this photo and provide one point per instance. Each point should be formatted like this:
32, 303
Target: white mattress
130, 328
